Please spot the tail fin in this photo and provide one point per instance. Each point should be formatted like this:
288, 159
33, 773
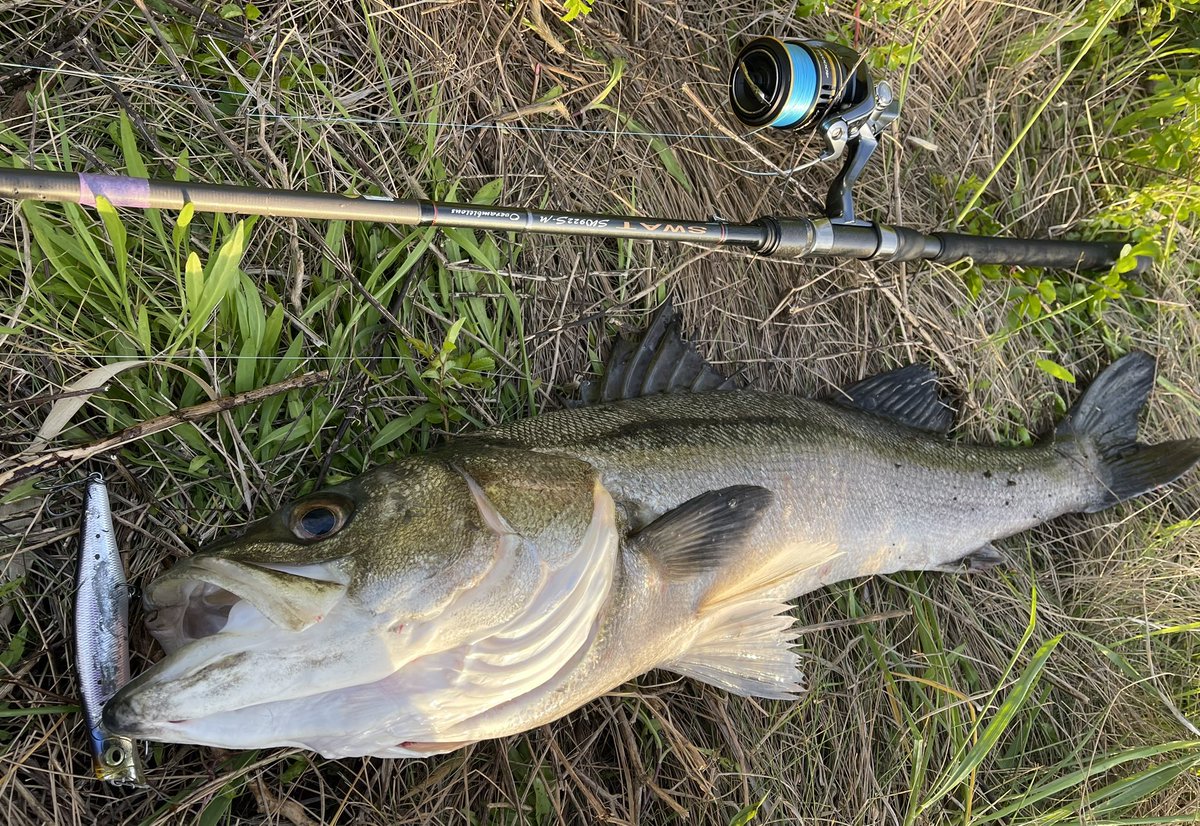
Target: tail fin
1102, 426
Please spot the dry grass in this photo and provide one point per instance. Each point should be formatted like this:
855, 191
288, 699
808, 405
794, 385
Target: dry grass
899, 667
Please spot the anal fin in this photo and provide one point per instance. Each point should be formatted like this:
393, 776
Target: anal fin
746, 649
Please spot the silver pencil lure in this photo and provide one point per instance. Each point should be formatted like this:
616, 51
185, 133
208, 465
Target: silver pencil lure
102, 635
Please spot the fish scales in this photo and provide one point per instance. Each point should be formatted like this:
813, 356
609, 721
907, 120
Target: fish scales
862, 483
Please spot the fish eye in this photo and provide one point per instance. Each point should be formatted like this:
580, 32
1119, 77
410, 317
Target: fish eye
318, 519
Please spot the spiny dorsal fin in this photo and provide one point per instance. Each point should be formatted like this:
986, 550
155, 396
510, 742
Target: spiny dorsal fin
746, 648
659, 361
696, 536
908, 395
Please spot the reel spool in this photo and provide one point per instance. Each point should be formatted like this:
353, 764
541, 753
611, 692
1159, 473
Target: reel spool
795, 84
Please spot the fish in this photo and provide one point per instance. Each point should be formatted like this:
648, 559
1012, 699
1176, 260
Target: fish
102, 636
504, 579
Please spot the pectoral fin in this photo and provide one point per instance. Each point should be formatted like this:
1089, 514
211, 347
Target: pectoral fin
696, 536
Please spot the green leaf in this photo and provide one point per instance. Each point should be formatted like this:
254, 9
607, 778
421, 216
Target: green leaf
488, 193
222, 277
143, 331
116, 236
197, 464
575, 8
16, 648
216, 810
1095, 767
451, 340
1057, 370
749, 813
193, 280
133, 158
1047, 292
616, 71
19, 491
35, 711
465, 238
181, 225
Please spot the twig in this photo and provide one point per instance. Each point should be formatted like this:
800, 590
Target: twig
149, 427
47, 398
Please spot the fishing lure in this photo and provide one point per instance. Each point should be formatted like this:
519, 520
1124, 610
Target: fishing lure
102, 635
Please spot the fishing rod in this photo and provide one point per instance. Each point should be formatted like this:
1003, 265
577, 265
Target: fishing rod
782, 84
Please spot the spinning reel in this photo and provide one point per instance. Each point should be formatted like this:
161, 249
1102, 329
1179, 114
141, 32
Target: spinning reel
814, 84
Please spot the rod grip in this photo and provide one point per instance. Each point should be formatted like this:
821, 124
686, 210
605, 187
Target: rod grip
1083, 255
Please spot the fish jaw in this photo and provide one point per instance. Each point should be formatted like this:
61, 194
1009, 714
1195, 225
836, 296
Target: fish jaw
269, 649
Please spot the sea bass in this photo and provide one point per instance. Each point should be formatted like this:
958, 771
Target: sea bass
501, 581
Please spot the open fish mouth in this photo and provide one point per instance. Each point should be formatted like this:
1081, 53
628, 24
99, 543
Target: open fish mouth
243, 642
196, 599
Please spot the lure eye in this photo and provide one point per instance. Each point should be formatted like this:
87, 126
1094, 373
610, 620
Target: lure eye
319, 519
114, 756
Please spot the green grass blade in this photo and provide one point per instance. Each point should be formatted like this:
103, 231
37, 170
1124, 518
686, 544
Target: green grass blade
1000, 722
1078, 778
36, 711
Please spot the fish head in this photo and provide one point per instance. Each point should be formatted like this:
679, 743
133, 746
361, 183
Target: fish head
334, 590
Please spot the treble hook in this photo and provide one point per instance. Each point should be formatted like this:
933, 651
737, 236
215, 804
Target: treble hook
51, 488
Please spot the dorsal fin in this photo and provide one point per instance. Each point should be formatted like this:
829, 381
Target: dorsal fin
908, 395
659, 361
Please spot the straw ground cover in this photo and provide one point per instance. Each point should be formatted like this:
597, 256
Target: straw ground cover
1064, 689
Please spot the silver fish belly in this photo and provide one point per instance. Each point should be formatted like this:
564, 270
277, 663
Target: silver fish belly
102, 635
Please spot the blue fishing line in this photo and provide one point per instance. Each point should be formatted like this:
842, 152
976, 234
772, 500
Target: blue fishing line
803, 92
